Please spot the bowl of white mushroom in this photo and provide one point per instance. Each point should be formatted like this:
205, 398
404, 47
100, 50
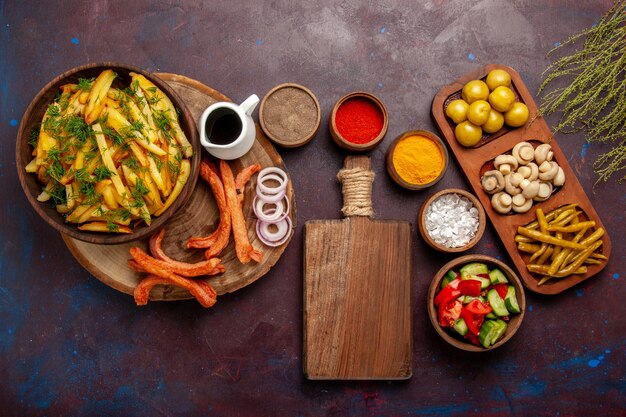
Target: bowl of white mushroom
518, 179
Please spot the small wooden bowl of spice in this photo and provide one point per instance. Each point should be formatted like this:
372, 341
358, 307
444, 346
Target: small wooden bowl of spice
417, 159
451, 220
358, 121
290, 115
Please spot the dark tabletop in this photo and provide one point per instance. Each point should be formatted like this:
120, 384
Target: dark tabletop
70, 345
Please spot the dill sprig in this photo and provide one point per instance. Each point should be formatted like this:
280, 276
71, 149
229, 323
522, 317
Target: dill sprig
84, 84
593, 98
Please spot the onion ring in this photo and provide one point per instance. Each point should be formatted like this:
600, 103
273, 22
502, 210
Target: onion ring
272, 215
272, 173
272, 198
274, 239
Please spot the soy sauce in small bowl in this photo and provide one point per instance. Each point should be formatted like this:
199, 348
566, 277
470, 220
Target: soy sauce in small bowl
223, 126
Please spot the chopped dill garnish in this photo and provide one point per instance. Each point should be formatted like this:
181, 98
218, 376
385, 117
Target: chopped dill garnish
89, 156
55, 170
173, 167
131, 163
120, 213
85, 84
81, 175
53, 110
140, 189
58, 195
157, 161
112, 227
102, 173
79, 129
33, 137
113, 135
137, 125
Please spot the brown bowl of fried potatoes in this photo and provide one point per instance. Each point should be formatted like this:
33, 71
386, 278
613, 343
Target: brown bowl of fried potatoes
106, 153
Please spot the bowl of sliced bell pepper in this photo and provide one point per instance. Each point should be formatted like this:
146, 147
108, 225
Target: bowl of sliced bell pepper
476, 303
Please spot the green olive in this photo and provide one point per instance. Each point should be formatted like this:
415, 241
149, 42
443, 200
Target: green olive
478, 112
457, 111
494, 122
497, 78
475, 90
517, 116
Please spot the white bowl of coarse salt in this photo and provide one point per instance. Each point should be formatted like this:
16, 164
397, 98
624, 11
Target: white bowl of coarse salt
452, 220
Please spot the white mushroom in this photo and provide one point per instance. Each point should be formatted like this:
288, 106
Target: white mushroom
545, 191
543, 153
559, 179
548, 170
492, 181
501, 202
516, 179
534, 171
524, 153
521, 204
524, 171
505, 164
524, 184
531, 189
510, 187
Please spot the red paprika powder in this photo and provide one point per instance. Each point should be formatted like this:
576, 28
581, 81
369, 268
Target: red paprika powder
359, 120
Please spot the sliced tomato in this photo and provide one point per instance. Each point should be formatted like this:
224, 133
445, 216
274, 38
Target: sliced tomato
472, 338
470, 287
501, 289
478, 307
449, 313
473, 321
484, 276
449, 293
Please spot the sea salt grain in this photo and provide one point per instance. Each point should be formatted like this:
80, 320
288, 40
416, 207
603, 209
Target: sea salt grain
452, 220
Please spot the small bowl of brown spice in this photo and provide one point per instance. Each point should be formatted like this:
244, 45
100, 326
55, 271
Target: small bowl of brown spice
290, 115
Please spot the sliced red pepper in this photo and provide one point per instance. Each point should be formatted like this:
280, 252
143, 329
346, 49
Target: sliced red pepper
449, 313
449, 293
470, 287
478, 307
501, 289
473, 321
483, 276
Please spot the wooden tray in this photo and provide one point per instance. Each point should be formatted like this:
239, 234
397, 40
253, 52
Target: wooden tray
472, 160
198, 217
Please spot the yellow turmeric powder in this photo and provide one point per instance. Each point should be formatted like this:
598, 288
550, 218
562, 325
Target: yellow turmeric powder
418, 160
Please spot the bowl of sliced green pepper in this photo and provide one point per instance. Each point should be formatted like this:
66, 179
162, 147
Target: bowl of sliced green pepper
476, 303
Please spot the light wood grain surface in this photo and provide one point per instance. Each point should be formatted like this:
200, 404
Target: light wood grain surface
357, 297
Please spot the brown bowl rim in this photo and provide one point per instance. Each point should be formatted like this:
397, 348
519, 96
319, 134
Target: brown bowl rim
391, 169
514, 323
482, 219
72, 230
280, 141
356, 147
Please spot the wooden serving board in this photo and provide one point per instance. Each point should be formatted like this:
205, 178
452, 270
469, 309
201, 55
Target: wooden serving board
199, 217
357, 297
473, 162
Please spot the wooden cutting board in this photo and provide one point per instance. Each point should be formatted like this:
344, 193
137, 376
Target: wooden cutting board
357, 296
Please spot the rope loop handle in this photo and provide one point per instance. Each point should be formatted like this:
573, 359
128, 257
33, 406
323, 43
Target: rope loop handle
357, 191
